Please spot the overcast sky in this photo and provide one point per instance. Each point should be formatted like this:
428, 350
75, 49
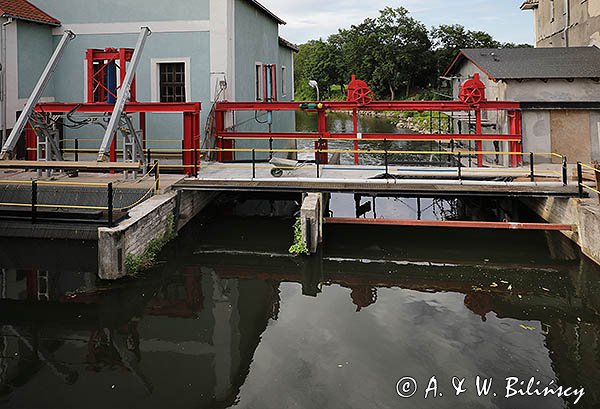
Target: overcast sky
311, 19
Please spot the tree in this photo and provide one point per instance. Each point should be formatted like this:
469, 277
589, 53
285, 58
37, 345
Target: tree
317, 60
448, 40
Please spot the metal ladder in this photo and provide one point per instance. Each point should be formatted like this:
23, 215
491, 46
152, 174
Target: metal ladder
48, 141
43, 290
133, 150
123, 96
38, 91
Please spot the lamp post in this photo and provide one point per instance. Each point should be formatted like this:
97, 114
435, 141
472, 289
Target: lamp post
314, 84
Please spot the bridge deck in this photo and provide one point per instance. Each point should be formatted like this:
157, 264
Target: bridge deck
411, 181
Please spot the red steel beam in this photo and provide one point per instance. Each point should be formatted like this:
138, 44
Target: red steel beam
373, 106
370, 136
451, 224
133, 107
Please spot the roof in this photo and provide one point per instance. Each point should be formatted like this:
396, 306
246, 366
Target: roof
530, 4
285, 43
24, 10
532, 63
266, 11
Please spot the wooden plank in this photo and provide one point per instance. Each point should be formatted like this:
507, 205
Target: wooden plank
43, 165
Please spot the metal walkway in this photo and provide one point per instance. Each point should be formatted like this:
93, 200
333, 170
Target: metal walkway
372, 180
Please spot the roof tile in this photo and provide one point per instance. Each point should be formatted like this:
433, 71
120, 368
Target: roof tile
533, 63
24, 10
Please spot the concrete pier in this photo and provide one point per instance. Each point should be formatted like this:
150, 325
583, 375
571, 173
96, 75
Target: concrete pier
154, 221
311, 215
584, 214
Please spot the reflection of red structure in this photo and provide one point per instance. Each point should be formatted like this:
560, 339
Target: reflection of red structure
363, 296
480, 303
177, 308
360, 99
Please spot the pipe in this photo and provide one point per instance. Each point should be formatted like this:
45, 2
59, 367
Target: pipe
567, 22
3, 104
412, 182
452, 224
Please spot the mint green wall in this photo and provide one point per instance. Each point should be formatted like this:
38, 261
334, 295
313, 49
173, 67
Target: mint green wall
257, 40
34, 49
113, 11
69, 77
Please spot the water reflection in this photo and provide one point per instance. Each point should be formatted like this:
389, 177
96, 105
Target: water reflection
235, 321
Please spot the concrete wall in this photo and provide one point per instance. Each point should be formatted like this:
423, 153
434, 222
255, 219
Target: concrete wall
34, 49
114, 11
555, 27
583, 214
146, 222
259, 44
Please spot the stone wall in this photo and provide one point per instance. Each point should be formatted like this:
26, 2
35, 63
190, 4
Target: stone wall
154, 219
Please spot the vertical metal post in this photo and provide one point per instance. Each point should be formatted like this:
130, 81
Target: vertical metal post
419, 210
34, 201
355, 125
430, 122
580, 179
565, 175
156, 176
110, 204
386, 159
148, 156
318, 160
77, 150
532, 167
459, 166
253, 163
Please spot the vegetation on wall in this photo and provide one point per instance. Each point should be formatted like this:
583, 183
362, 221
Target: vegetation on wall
135, 264
394, 53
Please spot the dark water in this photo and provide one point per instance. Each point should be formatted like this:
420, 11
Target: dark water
227, 319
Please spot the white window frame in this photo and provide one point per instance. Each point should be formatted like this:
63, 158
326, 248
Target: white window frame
155, 76
284, 90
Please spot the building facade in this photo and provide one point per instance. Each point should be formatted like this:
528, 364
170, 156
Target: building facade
199, 51
565, 23
558, 90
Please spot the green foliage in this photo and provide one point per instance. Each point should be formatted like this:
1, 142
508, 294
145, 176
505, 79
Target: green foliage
299, 247
394, 53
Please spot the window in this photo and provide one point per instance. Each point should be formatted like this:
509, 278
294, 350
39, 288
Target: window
283, 81
172, 82
258, 80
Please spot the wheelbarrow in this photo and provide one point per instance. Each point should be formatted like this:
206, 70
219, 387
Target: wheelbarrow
280, 166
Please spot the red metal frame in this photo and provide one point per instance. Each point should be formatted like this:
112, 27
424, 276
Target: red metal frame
98, 62
226, 138
191, 122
